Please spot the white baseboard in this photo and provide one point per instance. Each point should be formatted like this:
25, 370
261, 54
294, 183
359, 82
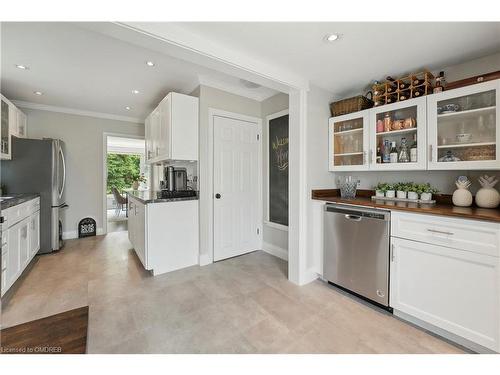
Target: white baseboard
275, 250
309, 276
205, 259
72, 234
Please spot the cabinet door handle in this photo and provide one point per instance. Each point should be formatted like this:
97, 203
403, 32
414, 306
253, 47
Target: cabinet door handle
392, 252
430, 152
364, 157
440, 232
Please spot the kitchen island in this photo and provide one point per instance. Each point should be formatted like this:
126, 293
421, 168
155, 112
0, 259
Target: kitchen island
163, 230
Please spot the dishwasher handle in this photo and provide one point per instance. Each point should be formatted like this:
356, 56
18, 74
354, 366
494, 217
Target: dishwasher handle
352, 217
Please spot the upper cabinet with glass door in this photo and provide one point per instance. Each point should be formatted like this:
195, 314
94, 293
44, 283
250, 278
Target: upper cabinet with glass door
348, 142
464, 128
398, 136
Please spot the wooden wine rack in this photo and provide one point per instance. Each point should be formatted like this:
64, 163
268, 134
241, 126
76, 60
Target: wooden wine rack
382, 97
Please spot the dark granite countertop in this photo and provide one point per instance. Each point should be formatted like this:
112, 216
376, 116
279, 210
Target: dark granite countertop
12, 200
154, 196
442, 207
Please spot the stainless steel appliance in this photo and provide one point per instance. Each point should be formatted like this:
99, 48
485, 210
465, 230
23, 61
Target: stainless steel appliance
356, 250
170, 177
180, 175
38, 166
175, 179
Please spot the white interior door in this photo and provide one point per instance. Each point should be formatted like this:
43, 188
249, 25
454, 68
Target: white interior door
236, 187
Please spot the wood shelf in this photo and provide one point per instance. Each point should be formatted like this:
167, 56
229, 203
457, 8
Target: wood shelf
398, 131
349, 154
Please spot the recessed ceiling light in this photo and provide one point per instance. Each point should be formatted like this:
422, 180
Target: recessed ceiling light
38, 93
331, 37
135, 91
23, 67
249, 84
150, 63
127, 108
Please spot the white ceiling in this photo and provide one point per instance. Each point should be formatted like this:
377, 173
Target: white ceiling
364, 51
78, 68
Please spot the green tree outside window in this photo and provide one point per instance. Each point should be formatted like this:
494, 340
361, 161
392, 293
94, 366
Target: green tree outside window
123, 170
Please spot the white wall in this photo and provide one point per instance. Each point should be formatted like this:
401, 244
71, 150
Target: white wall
274, 239
318, 177
218, 99
83, 138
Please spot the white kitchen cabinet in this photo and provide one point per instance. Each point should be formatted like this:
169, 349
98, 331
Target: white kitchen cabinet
21, 130
164, 234
138, 228
173, 127
14, 123
412, 110
451, 289
349, 142
34, 233
148, 137
464, 128
5, 130
444, 282
353, 138
20, 240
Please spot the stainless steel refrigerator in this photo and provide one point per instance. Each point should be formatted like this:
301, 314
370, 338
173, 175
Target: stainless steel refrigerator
38, 166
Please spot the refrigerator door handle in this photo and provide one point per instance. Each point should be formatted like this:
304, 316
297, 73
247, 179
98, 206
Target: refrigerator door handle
61, 191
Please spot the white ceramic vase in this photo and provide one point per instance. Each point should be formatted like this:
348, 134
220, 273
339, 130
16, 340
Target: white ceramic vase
462, 197
135, 185
487, 196
426, 196
412, 195
379, 193
401, 194
390, 193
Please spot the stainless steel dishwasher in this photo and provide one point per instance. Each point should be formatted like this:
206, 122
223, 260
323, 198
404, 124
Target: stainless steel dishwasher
356, 250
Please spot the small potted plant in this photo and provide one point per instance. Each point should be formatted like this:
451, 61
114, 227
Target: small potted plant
412, 191
390, 192
426, 191
136, 180
381, 189
401, 190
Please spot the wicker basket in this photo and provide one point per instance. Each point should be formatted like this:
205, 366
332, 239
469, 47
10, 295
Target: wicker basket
350, 105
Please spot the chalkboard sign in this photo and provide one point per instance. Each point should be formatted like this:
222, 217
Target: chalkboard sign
278, 170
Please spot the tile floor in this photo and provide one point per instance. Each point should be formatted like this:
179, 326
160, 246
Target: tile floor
241, 305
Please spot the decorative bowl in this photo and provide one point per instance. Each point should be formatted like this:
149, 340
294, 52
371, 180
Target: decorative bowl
449, 108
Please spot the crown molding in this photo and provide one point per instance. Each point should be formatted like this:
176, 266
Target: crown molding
74, 111
253, 94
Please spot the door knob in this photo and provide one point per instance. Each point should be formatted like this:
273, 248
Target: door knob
217, 196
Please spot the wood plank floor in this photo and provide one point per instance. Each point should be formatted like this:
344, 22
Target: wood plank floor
64, 333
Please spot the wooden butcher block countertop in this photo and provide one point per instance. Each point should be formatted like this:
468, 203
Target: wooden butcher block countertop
443, 205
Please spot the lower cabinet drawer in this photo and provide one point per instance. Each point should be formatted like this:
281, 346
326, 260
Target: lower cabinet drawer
471, 235
454, 290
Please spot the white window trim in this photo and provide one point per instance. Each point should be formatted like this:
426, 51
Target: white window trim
268, 119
